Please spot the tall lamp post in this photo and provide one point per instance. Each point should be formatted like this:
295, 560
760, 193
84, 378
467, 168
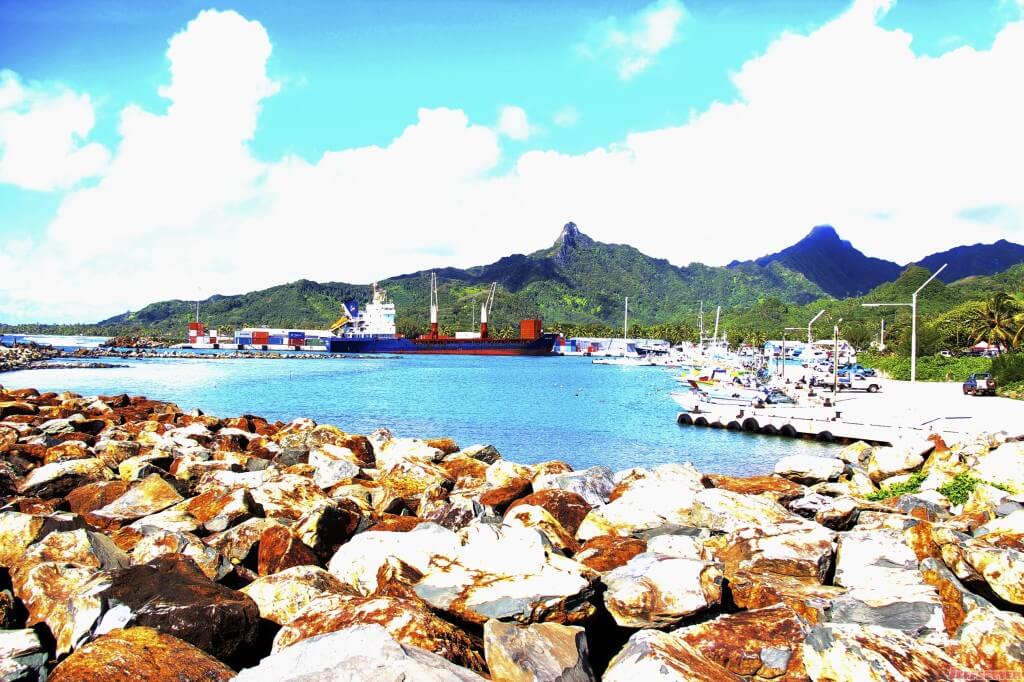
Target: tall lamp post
913, 320
835, 360
814, 319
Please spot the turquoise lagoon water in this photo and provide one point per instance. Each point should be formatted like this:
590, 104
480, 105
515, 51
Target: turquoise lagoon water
531, 409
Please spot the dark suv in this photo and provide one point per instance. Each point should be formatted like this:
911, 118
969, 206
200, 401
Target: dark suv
980, 383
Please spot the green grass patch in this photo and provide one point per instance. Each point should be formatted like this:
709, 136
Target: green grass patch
929, 368
1014, 390
963, 484
908, 487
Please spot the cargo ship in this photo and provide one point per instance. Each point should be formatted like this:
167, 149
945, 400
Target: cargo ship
373, 331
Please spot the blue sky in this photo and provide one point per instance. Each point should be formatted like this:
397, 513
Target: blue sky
612, 114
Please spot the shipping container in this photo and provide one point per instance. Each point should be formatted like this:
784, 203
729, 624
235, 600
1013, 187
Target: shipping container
260, 338
276, 340
296, 335
243, 340
529, 329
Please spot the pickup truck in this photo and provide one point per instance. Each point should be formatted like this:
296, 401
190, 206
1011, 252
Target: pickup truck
852, 381
980, 383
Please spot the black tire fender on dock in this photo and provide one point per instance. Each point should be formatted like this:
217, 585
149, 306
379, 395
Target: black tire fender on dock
750, 424
826, 437
685, 418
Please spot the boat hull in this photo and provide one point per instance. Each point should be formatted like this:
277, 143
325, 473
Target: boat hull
443, 346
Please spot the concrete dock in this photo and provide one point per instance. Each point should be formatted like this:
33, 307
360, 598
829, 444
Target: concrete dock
900, 411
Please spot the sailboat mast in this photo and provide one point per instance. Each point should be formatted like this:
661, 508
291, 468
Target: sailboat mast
700, 321
625, 323
718, 313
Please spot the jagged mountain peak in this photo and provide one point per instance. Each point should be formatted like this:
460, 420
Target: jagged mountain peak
822, 232
569, 239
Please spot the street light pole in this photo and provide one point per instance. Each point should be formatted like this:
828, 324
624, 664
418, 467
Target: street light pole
835, 361
913, 320
814, 319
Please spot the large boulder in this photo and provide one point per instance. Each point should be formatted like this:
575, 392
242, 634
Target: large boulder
60, 478
792, 549
887, 462
656, 590
991, 640
661, 656
809, 469
885, 587
171, 594
872, 654
542, 652
763, 643
777, 488
407, 621
357, 562
607, 552
22, 656
506, 572
365, 652
158, 542
281, 596
594, 485
140, 654
1004, 465
287, 496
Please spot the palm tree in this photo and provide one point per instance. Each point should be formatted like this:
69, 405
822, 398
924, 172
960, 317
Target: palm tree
998, 322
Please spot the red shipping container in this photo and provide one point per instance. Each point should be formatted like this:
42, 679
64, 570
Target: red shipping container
529, 329
261, 338
198, 327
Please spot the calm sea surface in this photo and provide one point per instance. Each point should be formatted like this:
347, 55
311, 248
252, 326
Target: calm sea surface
531, 409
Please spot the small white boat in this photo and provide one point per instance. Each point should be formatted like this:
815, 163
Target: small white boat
626, 361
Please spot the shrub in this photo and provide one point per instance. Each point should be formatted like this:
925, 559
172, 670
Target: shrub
929, 368
1008, 368
908, 487
963, 484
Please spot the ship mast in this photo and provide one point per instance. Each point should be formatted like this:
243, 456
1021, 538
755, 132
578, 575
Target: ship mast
433, 305
485, 310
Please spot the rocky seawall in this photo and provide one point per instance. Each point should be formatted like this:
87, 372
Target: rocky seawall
25, 356
139, 541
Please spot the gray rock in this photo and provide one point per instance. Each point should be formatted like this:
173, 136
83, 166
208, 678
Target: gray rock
652, 655
656, 590
808, 469
594, 485
356, 654
22, 656
542, 652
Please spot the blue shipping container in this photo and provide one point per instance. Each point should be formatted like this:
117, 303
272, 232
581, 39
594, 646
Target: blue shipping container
276, 340
243, 340
296, 335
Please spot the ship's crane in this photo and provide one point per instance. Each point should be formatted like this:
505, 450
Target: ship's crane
433, 305
485, 310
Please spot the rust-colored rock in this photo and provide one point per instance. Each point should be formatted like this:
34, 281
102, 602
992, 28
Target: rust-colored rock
445, 445
607, 552
281, 549
140, 654
764, 643
806, 596
66, 451
407, 621
501, 497
151, 495
396, 524
93, 496
567, 507
776, 487
218, 510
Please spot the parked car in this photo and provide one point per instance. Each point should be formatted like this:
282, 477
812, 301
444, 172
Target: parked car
980, 383
858, 369
945, 354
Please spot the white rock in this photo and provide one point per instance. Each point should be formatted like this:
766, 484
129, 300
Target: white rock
809, 469
655, 590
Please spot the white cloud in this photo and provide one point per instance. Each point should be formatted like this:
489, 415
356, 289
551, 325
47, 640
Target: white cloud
567, 117
634, 44
513, 123
905, 155
42, 136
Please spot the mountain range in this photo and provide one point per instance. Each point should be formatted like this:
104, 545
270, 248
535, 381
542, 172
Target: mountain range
842, 271
581, 281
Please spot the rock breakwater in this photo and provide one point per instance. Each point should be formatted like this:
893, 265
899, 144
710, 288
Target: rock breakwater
142, 541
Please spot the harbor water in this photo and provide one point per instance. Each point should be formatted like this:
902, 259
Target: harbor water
531, 409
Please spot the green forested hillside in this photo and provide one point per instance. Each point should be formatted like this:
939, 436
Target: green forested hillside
578, 285
575, 281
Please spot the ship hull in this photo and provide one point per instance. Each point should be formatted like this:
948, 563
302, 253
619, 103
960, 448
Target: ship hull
443, 346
